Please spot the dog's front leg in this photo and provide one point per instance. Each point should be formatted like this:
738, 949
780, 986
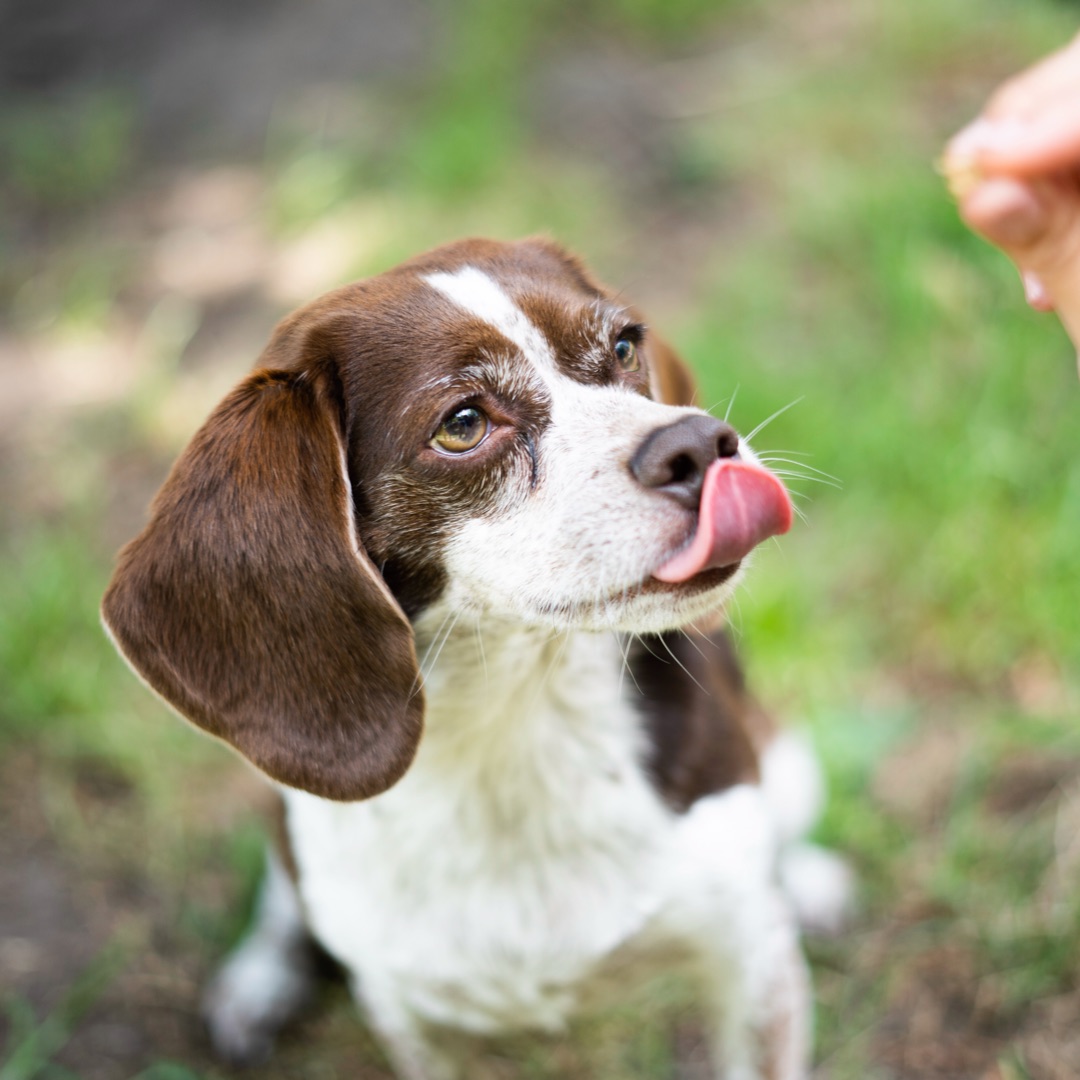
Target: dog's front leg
758, 1003
267, 979
404, 1037
729, 909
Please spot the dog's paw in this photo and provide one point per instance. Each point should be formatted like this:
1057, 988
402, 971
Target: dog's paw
820, 886
257, 991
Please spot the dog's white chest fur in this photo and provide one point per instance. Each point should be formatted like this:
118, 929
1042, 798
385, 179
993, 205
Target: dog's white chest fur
522, 847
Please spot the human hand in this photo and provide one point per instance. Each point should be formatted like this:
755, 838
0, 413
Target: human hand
1015, 172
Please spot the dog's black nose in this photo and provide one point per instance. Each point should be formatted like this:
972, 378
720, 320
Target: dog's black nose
673, 459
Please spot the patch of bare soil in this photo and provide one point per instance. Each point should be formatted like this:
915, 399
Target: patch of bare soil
112, 954
940, 1026
64, 923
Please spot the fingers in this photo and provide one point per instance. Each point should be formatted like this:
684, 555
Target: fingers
1048, 142
1043, 83
1035, 292
1007, 212
1015, 173
1031, 126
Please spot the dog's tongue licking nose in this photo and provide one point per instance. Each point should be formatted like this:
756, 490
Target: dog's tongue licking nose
741, 505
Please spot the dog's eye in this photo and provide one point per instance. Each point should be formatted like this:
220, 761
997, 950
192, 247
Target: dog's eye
463, 430
627, 355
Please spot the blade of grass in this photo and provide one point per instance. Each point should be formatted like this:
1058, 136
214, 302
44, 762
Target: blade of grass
31, 1055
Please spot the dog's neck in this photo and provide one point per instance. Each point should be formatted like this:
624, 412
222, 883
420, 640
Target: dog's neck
507, 703
475, 672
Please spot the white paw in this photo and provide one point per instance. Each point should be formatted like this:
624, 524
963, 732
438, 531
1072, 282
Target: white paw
260, 987
821, 887
793, 784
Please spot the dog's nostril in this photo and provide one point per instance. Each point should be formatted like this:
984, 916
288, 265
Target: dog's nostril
727, 445
682, 468
674, 459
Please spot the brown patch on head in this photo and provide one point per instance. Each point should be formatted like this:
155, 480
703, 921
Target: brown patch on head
671, 380
411, 357
581, 318
578, 317
697, 712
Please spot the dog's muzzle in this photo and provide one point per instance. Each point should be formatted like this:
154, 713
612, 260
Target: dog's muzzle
696, 462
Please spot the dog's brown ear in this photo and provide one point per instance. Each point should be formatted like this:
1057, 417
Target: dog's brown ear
670, 380
249, 605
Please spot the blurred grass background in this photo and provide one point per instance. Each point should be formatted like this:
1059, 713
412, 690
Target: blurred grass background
757, 175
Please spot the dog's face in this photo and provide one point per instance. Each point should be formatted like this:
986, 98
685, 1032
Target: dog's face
493, 461
483, 426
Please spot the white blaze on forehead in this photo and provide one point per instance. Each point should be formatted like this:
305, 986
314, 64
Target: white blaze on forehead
480, 295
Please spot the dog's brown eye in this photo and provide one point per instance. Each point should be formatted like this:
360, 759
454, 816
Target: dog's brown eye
627, 355
462, 430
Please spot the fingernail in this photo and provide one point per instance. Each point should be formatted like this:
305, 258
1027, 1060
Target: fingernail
959, 164
1035, 292
967, 142
983, 135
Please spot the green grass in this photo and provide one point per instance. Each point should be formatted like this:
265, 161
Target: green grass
34, 1042
59, 157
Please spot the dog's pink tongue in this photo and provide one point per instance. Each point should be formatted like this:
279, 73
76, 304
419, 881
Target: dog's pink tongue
741, 505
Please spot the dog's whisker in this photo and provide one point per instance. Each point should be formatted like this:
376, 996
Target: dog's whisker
626, 668
421, 676
783, 450
686, 670
802, 465
645, 645
480, 648
731, 403
563, 639
623, 643
426, 675
764, 423
794, 474
693, 642
734, 619
622, 667
435, 637
702, 635
807, 479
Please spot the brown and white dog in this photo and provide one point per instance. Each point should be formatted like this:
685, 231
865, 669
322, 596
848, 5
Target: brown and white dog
428, 568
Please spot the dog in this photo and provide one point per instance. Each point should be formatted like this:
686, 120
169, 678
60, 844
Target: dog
442, 568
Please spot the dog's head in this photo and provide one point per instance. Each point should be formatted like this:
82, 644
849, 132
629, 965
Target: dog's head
484, 426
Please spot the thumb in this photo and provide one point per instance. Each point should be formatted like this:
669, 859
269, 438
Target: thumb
1010, 214
1035, 222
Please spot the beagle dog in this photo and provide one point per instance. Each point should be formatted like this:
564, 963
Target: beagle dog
441, 568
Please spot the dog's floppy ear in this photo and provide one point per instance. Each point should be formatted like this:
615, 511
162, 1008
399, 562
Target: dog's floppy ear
249, 605
670, 380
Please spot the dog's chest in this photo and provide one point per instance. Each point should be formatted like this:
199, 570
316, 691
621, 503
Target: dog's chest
523, 847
